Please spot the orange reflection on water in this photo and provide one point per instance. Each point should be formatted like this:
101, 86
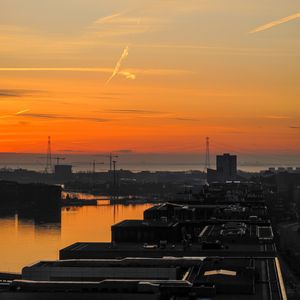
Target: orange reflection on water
25, 241
93, 223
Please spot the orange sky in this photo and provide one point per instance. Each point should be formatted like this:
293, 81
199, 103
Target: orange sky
149, 78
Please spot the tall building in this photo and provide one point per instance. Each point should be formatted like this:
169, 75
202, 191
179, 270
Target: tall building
63, 172
227, 166
226, 169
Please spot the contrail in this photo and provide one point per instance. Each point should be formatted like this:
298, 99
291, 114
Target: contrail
108, 18
118, 64
22, 111
111, 17
275, 23
128, 75
29, 69
15, 114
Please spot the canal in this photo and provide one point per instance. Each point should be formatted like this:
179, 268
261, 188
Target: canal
27, 238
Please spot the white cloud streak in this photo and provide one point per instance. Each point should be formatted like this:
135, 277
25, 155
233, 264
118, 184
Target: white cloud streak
275, 23
128, 73
15, 114
58, 69
22, 111
108, 18
118, 66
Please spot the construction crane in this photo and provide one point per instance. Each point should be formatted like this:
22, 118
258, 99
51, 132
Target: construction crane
111, 160
94, 165
58, 159
111, 157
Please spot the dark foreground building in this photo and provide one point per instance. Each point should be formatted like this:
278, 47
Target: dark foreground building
148, 278
33, 196
220, 247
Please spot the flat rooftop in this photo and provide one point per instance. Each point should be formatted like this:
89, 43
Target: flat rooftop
218, 278
260, 206
99, 250
144, 223
237, 232
124, 262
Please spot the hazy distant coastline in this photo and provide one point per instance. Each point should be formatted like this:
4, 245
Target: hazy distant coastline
146, 161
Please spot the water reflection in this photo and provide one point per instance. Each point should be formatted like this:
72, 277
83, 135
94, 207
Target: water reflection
83, 196
29, 236
40, 217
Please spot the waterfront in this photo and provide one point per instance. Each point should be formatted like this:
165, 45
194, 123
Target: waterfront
28, 239
137, 162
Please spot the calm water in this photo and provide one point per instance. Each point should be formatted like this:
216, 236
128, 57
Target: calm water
27, 239
152, 162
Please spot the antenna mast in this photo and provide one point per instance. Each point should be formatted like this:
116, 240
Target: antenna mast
207, 155
48, 168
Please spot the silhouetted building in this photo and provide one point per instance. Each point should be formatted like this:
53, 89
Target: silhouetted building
227, 166
226, 169
152, 278
33, 196
220, 247
174, 211
63, 172
146, 231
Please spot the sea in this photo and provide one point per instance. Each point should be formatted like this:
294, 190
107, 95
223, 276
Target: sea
144, 161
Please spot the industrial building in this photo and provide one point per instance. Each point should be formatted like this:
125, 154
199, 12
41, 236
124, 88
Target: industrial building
30, 196
215, 278
218, 246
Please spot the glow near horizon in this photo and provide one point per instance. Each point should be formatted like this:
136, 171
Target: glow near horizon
198, 72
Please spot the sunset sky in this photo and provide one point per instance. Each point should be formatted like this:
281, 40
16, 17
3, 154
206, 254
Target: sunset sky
150, 76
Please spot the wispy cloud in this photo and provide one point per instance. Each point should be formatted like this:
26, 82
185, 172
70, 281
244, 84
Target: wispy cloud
118, 66
135, 111
117, 19
124, 151
123, 18
63, 117
63, 69
129, 22
108, 18
128, 73
18, 113
36, 44
275, 23
275, 117
9, 93
69, 151
5, 116
161, 72
5, 93
22, 111
186, 119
